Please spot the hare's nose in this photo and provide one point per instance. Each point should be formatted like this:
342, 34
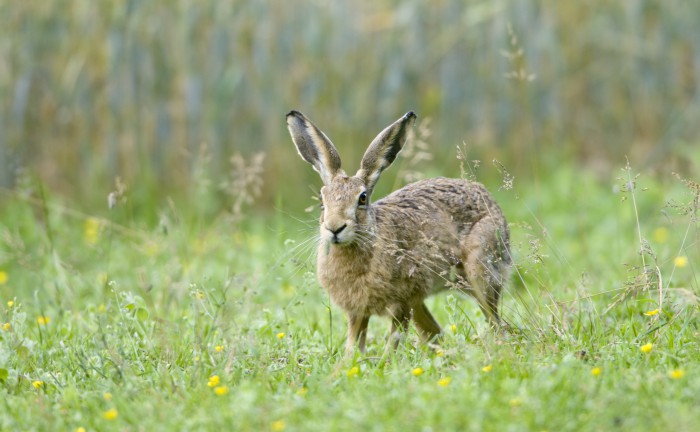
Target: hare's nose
337, 231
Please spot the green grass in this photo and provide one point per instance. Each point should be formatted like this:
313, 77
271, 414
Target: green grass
136, 309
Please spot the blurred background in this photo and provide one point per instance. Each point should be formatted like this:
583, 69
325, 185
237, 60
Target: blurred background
175, 98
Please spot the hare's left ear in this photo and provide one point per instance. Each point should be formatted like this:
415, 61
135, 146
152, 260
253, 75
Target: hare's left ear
383, 150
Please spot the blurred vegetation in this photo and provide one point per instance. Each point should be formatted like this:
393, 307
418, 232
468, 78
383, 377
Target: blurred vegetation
160, 92
173, 114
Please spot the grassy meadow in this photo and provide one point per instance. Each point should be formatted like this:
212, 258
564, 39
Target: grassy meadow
157, 263
110, 325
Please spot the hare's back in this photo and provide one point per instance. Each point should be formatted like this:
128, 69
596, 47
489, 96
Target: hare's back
462, 201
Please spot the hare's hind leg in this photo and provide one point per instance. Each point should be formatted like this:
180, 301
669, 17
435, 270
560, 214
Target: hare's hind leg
357, 333
484, 267
426, 324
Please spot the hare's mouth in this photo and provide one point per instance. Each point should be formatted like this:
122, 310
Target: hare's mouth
340, 240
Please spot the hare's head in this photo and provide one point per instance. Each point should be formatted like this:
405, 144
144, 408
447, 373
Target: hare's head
346, 199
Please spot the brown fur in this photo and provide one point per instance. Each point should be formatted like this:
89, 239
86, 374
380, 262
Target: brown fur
385, 258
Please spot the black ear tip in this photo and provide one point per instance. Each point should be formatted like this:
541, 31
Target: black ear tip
409, 115
294, 113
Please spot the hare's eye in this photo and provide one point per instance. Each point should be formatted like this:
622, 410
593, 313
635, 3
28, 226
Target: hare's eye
363, 199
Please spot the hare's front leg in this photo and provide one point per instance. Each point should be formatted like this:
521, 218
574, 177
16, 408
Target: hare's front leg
357, 333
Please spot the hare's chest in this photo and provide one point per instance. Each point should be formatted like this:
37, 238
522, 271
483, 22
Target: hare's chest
354, 285
346, 288
364, 288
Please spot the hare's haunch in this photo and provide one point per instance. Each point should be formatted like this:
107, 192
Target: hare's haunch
385, 258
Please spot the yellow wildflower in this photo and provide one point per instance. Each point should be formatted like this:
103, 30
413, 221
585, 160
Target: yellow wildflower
7, 326
596, 371
516, 402
487, 368
652, 312
676, 374
681, 261
110, 414
221, 390
80, 429
43, 320
151, 249
453, 328
198, 246
417, 371
288, 288
353, 372
214, 381
10, 304
439, 352
219, 348
3, 277
38, 384
278, 426
91, 230
107, 396
444, 382
660, 235
646, 348
280, 335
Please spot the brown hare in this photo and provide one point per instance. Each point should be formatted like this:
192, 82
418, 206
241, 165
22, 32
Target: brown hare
386, 257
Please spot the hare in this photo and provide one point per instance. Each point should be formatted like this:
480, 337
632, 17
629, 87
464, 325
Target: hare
385, 258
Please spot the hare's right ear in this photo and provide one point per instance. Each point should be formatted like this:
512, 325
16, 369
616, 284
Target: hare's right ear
383, 150
313, 146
